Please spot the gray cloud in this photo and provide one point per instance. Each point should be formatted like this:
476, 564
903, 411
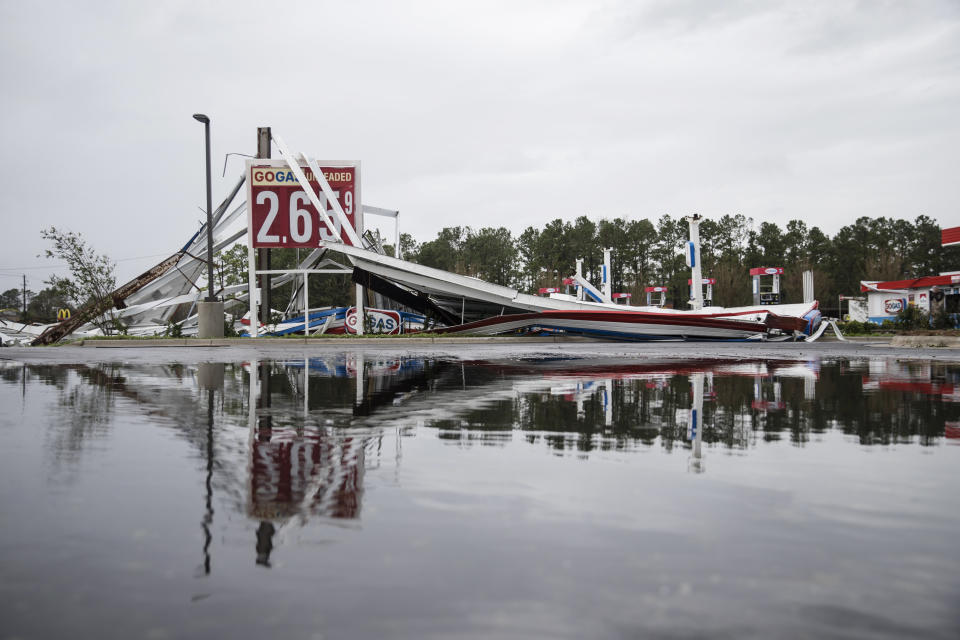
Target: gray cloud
480, 114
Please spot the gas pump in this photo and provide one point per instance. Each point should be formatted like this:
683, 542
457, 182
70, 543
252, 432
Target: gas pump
656, 296
625, 297
766, 292
708, 297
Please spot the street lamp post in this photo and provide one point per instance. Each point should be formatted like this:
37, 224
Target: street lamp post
211, 313
199, 117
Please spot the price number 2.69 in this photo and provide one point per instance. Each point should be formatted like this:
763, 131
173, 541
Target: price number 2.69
302, 216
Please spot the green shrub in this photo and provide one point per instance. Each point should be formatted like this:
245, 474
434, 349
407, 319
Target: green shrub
940, 319
855, 327
912, 317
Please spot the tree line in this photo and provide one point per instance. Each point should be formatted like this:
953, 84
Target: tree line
41, 306
647, 253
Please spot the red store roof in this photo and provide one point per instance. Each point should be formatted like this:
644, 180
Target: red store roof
949, 237
917, 283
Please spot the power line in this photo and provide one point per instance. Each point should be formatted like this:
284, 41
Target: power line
52, 266
63, 266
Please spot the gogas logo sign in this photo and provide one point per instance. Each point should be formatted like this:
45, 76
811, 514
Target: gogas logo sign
894, 306
379, 321
268, 177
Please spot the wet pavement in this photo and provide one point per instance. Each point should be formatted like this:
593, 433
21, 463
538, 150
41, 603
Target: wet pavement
143, 352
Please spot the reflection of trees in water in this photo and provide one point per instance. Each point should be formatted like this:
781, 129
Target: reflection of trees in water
90, 398
84, 412
313, 464
87, 407
14, 372
892, 415
740, 410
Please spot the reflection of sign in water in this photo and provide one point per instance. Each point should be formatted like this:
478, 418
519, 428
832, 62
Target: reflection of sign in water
952, 430
378, 321
315, 472
894, 306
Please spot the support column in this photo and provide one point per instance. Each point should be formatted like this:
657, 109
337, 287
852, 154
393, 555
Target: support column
361, 378
306, 305
396, 232
693, 261
579, 275
607, 286
254, 291
361, 316
695, 424
808, 286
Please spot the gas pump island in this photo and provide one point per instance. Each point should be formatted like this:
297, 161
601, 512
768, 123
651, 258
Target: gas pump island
766, 292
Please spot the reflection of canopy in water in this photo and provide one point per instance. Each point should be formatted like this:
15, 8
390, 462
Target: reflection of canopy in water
443, 391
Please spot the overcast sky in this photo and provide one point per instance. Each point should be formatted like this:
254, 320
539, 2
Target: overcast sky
479, 114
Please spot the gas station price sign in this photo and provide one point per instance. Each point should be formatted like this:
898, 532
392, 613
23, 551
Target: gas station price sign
280, 213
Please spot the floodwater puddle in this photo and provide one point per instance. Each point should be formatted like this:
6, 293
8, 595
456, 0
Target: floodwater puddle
358, 496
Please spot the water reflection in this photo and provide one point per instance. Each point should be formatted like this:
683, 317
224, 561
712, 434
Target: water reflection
210, 376
285, 441
590, 405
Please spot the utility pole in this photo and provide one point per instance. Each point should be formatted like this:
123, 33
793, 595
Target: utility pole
265, 425
263, 255
24, 298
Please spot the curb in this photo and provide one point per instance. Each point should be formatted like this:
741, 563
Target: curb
326, 342
948, 342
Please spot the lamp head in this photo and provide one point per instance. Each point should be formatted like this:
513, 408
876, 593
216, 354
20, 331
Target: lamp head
199, 117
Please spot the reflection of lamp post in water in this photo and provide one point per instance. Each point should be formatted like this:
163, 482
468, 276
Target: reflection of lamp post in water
209, 377
208, 515
695, 424
265, 542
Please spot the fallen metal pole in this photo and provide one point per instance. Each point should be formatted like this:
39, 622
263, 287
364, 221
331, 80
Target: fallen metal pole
116, 300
